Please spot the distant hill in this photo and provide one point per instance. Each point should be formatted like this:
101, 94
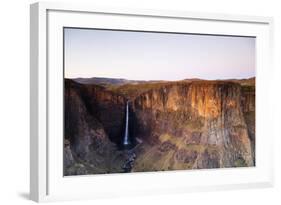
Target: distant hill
133, 88
106, 81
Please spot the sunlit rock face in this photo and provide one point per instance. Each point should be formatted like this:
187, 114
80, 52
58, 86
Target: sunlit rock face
206, 119
177, 125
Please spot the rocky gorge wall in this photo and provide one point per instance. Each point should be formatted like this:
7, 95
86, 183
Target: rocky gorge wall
92, 117
200, 124
182, 125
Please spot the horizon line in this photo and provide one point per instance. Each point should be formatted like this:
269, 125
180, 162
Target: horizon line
194, 78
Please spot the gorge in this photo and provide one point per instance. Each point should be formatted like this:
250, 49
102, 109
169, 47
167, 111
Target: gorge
117, 125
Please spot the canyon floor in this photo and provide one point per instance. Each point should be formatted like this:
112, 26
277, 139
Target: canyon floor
173, 125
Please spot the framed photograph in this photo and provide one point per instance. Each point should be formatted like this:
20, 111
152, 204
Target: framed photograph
127, 102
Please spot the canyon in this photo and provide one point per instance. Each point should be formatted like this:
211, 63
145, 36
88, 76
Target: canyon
173, 125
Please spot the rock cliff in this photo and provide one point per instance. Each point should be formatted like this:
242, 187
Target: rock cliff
92, 117
178, 125
200, 124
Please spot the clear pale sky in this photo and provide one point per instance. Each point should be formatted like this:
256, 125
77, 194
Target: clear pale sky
156, 56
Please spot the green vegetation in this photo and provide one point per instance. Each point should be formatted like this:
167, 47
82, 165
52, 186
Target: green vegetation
248, 88
240, 163
177, 141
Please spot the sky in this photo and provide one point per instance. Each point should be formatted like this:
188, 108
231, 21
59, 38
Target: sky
156, 56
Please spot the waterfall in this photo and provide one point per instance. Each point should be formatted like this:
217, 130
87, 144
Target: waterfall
126, 136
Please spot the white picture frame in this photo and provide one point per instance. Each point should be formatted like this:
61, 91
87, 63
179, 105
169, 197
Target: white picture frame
46, 179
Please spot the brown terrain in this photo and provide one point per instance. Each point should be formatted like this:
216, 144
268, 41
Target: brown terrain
188, 124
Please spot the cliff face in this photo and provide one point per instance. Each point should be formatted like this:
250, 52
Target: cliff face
200, 124
181, 125
248, 106
105, 106
88, 149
